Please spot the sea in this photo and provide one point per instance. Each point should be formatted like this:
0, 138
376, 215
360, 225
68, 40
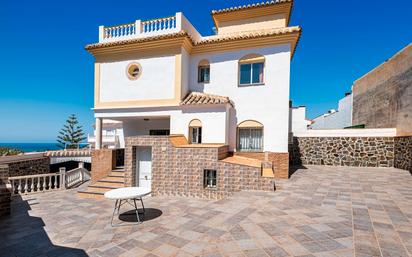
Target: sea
31, 147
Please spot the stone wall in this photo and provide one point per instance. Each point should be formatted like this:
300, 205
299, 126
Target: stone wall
103, 162
343, 151
5, 194
22, 165
383, 97
403, 153
178, 170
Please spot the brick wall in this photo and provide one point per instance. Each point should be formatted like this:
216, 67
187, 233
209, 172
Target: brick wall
280, 161
179, 170
343, 151
103, 162
382, 98
403, 153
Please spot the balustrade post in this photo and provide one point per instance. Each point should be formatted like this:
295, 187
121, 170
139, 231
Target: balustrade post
138, 27
101, 33
81, 166
179, 21
62, 171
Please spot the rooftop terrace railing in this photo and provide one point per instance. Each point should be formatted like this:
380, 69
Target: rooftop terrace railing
147, 28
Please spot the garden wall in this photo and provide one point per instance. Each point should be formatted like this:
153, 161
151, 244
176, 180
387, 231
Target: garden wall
315, 148
403, 153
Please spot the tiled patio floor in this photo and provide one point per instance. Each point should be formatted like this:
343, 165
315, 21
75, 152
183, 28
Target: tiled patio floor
320, 211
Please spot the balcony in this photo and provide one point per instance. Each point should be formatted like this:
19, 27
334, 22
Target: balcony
148, 28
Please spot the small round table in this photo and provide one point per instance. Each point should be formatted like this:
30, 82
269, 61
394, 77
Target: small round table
127, 195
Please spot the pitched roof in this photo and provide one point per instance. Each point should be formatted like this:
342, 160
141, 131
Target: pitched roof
250, 6
249, 34
197, 98
137, 40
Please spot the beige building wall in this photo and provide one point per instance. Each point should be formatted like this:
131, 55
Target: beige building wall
383, 97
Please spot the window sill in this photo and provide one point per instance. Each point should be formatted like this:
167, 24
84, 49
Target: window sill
210, 188
204, 82
251, 85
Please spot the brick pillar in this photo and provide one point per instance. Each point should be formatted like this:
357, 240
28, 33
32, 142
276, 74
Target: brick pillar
103, 162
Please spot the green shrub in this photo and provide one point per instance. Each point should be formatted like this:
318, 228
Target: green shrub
5, 151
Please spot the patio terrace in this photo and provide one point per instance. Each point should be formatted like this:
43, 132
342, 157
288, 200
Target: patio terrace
320, 211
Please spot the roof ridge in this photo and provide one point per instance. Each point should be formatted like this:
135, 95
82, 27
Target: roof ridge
249, 6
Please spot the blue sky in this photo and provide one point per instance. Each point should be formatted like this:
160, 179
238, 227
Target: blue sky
46, 74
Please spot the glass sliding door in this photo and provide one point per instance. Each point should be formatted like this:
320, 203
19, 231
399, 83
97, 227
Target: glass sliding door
250, 139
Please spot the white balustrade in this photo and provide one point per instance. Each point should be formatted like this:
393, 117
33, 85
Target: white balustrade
158, 24
142, 28
50, 181
77, 176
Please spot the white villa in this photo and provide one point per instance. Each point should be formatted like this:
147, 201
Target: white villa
162, 77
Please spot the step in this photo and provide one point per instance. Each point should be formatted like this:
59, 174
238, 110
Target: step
109, 184
119, 169
88, 194
112, 179
116, 174
98, 189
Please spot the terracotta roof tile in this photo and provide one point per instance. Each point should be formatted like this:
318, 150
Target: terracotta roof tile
249, 34
137, 40
205, 40
249, 6
196, 98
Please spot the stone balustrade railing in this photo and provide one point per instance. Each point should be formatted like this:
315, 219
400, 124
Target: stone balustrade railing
77, 176
147, 28
48, 182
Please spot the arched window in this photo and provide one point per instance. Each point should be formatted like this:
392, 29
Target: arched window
195, 132
250, 136
203, 71
251, 69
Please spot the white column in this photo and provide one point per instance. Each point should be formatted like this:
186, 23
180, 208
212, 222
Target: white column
98, 144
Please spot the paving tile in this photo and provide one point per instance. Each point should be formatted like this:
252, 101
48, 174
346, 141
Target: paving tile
320, 211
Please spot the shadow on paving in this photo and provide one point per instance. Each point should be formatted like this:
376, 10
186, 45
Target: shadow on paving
150, 214
23, 235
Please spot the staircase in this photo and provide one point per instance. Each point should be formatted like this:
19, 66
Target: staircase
96, 190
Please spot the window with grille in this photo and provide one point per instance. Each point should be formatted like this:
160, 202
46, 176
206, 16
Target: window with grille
209, 178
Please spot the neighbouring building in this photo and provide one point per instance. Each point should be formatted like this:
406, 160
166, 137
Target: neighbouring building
199, 112
382, 98
335, 119
112, 135
297, 120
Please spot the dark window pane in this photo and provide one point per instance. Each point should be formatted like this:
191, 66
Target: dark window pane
257, 73
203, 74
245, 73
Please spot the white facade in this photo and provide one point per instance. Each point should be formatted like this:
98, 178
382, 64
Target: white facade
152, 84
266, 104
336, 119
297, 119
112, 135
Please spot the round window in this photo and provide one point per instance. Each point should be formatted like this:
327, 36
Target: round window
134, 70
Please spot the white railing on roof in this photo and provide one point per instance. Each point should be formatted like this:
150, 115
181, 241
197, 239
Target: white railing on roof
50, 181
140, 29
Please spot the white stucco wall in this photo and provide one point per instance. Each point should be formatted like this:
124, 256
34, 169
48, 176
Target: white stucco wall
268, 104
297, 120
157, 80
140, 127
